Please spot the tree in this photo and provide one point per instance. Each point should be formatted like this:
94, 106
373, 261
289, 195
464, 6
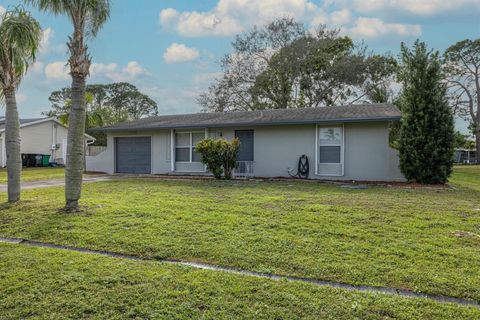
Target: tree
20, 36
106, 104
282, 65
462, 66
87, 18
427, 133
462, 141
127, 103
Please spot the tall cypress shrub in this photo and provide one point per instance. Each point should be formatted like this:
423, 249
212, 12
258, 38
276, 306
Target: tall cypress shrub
427, 131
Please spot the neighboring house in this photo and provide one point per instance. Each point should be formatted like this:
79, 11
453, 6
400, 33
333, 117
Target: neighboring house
40, 136
342, 143
465, 156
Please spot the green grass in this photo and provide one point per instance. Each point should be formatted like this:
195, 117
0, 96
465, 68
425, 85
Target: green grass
31, 174
38, 283
467, 177
419, 239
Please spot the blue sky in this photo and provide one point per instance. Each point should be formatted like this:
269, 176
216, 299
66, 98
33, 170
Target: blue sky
171, 49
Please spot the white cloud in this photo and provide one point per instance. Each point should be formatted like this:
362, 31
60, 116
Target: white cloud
334, 19
46, 46
101, 69
417, 7
340, 17
230, 17
168, 15
60, 71
57, 71
196, 24
112, 71
47, 35
180, 53
2, 10
374, 28
37, 67
134, 69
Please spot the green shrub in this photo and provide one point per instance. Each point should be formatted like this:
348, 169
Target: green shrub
219, 156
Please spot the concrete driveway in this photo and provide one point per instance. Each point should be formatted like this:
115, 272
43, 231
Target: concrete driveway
56, 182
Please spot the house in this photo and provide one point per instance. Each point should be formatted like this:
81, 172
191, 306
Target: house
46, 136
466, 156
342, 143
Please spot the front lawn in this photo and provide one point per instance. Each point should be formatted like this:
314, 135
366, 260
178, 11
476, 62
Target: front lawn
52, 284
467, 177
419, 239
30, 174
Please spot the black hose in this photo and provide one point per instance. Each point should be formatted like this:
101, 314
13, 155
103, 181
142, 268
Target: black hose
303, 168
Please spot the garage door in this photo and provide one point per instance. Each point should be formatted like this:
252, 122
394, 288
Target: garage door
133, 155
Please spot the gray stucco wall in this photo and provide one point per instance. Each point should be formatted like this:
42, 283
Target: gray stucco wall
367, 153
277, 148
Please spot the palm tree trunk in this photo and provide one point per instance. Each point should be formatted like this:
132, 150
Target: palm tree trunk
75, 145
12, 145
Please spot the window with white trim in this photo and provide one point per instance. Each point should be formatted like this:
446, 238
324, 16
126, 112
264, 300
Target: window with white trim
185, 146
330, 150
330, 144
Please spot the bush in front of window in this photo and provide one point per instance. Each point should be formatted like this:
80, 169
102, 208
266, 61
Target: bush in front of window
219, 156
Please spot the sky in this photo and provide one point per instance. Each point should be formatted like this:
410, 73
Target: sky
171, 49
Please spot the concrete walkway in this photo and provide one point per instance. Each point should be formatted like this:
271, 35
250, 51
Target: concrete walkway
56, 182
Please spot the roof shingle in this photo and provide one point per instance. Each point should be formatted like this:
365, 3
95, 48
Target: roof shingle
349, 113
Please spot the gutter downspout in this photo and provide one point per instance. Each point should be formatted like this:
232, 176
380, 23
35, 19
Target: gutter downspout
172, 150
206, 137
54, 141
316, 149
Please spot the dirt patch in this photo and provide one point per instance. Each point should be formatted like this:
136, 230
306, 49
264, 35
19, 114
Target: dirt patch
466, 234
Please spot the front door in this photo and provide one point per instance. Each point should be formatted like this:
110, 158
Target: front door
245, 153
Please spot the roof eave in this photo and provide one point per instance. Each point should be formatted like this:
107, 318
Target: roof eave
250, 124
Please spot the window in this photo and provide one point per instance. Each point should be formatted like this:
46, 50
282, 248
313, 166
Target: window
330, 148
330, 154
330, 151
185, 146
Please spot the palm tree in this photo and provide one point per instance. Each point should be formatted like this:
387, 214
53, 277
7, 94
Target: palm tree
20, 36
87, 17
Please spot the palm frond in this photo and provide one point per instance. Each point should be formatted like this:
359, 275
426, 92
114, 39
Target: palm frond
94, 13
20, 36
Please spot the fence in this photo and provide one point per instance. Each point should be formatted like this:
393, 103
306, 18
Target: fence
95, 150
244, 169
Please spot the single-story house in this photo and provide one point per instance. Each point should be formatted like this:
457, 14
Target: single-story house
342, 143
46, 136
465, 156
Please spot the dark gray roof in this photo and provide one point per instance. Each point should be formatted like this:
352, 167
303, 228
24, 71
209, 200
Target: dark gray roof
22, 121
350, 113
